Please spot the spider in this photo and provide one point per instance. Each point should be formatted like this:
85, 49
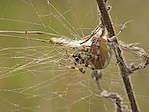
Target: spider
97, 56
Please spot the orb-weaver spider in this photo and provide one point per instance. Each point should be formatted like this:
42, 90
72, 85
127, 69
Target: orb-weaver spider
96, 56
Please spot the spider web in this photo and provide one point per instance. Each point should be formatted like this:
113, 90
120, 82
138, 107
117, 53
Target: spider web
31, 79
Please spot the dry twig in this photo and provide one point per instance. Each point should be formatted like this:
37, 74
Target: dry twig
118, 53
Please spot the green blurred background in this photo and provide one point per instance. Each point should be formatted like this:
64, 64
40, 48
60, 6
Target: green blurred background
31, 79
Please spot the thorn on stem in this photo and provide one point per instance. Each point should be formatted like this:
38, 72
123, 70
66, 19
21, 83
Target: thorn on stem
26, 34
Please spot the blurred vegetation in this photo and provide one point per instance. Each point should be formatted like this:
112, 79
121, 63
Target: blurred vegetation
83, 16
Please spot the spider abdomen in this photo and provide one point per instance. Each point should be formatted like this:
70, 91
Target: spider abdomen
100, 52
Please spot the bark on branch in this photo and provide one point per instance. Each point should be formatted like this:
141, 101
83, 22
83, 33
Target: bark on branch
118, 53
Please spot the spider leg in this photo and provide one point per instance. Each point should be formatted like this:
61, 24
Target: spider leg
68, 55
78, 59
76, 68
92, 34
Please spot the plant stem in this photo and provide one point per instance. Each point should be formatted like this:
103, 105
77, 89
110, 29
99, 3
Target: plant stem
123, 67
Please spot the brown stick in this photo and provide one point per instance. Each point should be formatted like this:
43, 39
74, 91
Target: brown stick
33, 32
12, 36
123, 67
